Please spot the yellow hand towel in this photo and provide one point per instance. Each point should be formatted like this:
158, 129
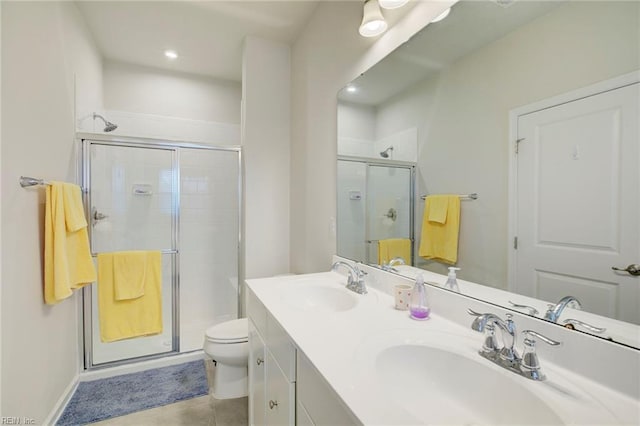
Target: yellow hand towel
438, 208
394, 247
67, 257
123, 319
439, 240
129, 271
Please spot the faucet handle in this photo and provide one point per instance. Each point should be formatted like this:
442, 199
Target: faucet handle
570, 323
530, 365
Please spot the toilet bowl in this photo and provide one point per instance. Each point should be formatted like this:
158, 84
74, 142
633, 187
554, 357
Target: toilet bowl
227, 344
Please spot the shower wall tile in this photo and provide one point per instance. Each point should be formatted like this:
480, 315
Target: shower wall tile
208, 242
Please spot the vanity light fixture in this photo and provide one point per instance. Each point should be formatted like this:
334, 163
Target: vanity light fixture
392, 4
171, 54
441, 16
373, 22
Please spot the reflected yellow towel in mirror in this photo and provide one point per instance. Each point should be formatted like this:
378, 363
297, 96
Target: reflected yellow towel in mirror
394, 247
129, 294
440, 228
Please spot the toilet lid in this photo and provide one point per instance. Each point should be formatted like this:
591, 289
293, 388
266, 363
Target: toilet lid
234, 331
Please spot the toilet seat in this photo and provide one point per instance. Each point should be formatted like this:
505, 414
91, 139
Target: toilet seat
234, 331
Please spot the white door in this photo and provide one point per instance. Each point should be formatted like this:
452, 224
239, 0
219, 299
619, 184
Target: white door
578, 177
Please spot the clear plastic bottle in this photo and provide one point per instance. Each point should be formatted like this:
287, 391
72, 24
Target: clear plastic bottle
452, 282
418, 307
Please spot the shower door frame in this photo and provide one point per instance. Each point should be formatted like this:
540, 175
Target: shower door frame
368, 162
85, 140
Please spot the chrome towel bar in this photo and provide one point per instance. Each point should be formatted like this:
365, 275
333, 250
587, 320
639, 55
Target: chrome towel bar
472, 196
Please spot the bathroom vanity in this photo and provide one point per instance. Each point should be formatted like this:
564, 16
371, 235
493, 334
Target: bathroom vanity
321, 354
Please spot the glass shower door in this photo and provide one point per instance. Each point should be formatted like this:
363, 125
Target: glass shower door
389, 206
132, 202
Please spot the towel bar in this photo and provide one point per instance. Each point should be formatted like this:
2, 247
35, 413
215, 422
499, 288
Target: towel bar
26, 181
472, 196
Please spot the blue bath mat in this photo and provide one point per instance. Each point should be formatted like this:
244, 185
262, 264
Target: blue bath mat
115, 396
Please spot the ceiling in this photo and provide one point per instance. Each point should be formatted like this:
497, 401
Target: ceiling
470, 25
207, 35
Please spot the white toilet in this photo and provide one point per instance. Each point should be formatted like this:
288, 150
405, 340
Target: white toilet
227, 344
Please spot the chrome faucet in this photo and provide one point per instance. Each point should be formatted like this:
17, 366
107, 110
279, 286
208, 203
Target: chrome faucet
508, 354
393, 262
507, 357
554, 311
355, 281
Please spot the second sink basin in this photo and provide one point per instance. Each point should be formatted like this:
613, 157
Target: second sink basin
469, 392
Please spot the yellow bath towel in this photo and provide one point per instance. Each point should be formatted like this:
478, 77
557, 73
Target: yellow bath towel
440, 228
394, 247
129, 273
123, 319
67, 257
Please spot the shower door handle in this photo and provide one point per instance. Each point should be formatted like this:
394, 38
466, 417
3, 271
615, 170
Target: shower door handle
632, 269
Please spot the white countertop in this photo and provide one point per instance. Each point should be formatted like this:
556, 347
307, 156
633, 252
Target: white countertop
343, 347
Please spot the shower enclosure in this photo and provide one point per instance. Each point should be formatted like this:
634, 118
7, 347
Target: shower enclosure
375, 202
183, 200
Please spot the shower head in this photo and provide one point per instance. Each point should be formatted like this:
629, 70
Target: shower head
108, 126
385, 153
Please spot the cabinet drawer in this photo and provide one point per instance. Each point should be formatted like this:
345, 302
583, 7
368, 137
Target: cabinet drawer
280, 408
256, 311
280, 346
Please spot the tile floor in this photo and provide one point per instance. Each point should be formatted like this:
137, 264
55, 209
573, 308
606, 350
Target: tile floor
204, 410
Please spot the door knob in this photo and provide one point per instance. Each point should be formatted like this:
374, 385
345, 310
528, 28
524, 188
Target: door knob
273, 404
632, 269
259, 361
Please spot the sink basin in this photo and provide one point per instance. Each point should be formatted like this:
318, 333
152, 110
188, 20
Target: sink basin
468, 392
310, 296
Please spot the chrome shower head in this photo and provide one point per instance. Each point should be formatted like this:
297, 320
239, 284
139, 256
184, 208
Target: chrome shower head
385, 153
108, 126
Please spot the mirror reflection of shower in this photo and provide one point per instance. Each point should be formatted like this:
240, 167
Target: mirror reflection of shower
108, 126
385, 153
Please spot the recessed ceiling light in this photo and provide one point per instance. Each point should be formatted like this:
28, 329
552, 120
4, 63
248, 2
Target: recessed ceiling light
441, 16
351, 89
171, 54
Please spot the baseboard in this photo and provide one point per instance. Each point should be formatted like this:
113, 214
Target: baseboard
58, 409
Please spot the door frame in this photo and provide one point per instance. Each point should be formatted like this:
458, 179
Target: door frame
514, 114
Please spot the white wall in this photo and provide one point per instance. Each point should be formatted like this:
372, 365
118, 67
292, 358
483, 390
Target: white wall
146, 90
153, 103
266, 92
323, 61
43, 45
464, 146
356, 129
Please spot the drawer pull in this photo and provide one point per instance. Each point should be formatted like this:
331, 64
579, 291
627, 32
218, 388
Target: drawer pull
273, 404
259, 361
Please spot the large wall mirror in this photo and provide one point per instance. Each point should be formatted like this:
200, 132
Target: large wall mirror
534, 107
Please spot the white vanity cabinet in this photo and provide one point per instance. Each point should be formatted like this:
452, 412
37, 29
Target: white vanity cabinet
272, 368
317, 403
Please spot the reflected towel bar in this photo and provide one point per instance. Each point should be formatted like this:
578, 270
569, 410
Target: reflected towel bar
166, 251
472, 196
26, 181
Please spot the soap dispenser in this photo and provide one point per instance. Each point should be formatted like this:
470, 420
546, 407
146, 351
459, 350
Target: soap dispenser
418, 308
452, 282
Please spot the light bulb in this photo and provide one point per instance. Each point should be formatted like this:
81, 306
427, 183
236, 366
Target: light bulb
392, 4
441, 16
373, 22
